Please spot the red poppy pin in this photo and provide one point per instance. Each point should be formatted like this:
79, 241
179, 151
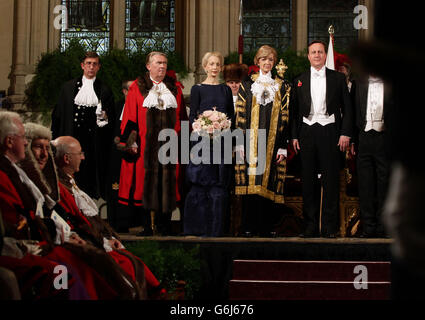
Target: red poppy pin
300, 83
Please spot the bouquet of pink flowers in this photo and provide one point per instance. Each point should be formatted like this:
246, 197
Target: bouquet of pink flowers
211, 122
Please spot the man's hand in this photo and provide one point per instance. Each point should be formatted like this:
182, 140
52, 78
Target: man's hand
75, 239
296, 145
280, 158
115, 244
344, 143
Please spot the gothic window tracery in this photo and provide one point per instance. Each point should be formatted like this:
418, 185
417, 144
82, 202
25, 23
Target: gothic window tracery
267, 22
89, 22
150, 25
323, 13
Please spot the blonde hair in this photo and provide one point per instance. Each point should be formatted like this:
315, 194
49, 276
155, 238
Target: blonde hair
263, 52
208, 55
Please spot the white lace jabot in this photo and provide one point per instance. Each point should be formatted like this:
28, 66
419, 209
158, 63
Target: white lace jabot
87, 96
160, 97
264, 88
86, 204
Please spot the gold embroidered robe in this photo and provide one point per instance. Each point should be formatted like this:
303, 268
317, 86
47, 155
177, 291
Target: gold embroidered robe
273, 117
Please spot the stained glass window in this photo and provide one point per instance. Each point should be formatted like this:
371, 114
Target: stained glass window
266, 22
150, 25
88, 21
323, 13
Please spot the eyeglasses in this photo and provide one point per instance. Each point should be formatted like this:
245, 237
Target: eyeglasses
89, 63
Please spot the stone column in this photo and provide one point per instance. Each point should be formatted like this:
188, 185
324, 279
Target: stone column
39, 30
205, 36
118, 24
300, 25
211, 25
367, 34
54, 34
21, 44
218, 30
234, 26
190, 39
6, 40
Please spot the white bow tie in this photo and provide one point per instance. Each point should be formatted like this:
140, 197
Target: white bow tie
318, 74
375, 80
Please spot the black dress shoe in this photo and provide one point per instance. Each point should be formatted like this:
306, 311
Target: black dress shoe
247, 234
329, 235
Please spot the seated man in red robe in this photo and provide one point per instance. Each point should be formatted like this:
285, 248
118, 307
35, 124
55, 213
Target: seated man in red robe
28, 248
68, 156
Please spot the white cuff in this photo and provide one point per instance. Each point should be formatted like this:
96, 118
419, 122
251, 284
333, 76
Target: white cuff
282, 151
106, 245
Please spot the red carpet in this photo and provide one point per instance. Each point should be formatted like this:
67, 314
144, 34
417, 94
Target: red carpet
309, 280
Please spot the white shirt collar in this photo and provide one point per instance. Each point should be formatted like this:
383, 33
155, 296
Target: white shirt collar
36, 193
268, 74
264, 88
7, 157
154, 81
318, 73
373, 79
85, 79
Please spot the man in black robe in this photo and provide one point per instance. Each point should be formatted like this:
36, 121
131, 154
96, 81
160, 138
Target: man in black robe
85, 111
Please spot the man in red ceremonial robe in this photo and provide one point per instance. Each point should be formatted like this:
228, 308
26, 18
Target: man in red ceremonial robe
154, 102
91, 226
28, 248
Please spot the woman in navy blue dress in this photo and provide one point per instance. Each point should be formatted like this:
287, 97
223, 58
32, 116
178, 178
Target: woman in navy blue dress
208, 198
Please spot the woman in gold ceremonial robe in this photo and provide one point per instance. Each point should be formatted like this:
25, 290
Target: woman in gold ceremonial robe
262, 113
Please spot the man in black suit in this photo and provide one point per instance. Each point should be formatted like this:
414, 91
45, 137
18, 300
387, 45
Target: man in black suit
371, 102
321, 126
85, 111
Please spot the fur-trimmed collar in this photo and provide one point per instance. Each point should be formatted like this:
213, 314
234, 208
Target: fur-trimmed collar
145, 84
64, 179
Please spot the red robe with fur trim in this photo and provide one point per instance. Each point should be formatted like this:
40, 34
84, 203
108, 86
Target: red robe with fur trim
123, 258
12, 208
36, 271
67, 201
132, 178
